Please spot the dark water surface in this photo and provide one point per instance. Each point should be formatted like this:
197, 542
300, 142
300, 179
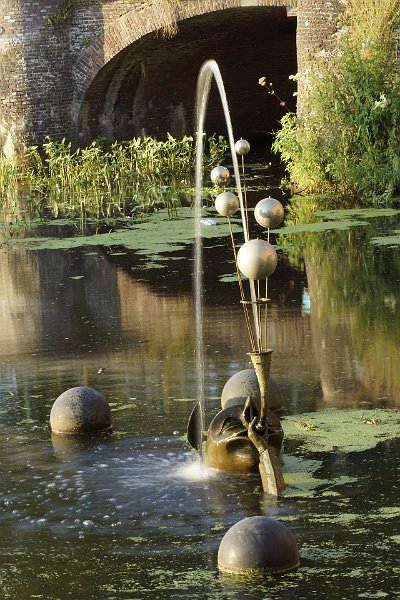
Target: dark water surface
131, 515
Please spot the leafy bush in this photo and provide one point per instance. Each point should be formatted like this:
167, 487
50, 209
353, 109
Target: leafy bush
347, 138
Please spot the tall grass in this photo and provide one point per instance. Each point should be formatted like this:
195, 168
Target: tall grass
106, 177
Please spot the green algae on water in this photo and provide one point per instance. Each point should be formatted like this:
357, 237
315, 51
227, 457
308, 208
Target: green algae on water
301, 481
321, 226
387, 240
339, 219
342, 430
299, 475
355, 213
154, 235
228, 278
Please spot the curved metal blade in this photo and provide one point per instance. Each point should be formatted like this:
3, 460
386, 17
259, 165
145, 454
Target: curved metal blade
195, 428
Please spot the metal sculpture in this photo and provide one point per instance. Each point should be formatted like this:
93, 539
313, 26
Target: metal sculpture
246, 436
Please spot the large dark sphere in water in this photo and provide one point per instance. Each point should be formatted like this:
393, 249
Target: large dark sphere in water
245, 383
80, 410
258, 545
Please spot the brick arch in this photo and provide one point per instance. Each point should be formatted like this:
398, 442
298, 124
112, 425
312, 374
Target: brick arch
135, 24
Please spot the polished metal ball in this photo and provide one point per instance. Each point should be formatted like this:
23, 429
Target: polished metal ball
226, 204
258, 545
242, 147
80, 410
219, 175
257, 259
269, 213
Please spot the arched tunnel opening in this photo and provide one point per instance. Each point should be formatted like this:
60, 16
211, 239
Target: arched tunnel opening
149, 87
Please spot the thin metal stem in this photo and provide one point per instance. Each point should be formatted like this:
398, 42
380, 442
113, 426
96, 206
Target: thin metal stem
245, 195
260, 345
242, 294
266, 315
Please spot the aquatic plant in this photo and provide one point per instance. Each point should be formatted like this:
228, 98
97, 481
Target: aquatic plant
346, 139
106, 177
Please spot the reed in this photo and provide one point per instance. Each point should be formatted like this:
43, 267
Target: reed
106, 177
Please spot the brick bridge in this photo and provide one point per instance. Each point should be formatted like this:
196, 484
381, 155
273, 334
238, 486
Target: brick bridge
104, 68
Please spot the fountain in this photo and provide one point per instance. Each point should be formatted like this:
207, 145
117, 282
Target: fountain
245, 437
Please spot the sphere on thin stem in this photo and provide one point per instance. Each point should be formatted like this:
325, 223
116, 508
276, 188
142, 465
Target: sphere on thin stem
242, 147
226, 204
257, 259
219, 175
269, 213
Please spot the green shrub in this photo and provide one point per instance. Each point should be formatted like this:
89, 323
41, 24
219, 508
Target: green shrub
347, 138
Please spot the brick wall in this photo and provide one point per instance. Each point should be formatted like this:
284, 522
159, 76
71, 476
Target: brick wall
77, 78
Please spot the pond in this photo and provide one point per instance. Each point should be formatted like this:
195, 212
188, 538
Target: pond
129, 515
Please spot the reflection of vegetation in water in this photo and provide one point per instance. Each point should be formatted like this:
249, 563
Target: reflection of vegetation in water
351, 284
104, 177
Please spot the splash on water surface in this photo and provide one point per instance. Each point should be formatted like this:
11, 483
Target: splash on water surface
194, 470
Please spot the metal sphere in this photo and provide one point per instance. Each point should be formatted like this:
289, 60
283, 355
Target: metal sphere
245, 383
258, 545
80, 410
257, 259
219, 175
242, 147
269, 213
226, 204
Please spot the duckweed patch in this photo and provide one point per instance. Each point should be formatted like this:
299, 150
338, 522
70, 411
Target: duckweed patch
395, 539
356, 213
343, 430
389, 512
154, 236
228, 278
301, 481
321, 226
387, 240
299, 476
